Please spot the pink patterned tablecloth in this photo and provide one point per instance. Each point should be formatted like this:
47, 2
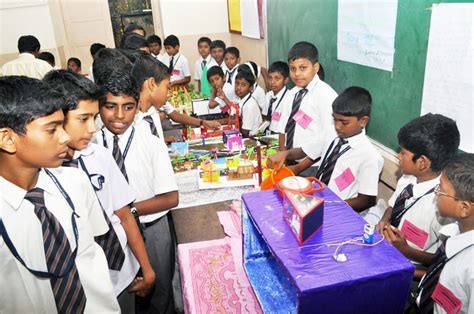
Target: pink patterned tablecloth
212, 276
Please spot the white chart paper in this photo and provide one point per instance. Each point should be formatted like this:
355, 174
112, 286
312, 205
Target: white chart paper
249, 18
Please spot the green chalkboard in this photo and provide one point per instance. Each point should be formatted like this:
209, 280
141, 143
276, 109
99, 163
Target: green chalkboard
396, 95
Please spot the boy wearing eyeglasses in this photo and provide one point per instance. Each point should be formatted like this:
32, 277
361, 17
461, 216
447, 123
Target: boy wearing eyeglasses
411, 222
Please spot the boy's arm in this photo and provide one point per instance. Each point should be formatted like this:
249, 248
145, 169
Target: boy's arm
183, 81
302, 165
158, 203
384, 220
398, 240
199, 85
136, 244
361, 202
282, 141
184, 119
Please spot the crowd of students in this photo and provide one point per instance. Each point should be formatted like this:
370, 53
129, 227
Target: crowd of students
86, 181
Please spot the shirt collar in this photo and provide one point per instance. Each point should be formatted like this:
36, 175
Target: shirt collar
233, 69
89, 150
14, 195
421, 188
280, 93
459, 242
109, 135
310, 86
355, 140
140, 115
26, 55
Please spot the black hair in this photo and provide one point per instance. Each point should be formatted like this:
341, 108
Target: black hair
305, 50
28, 43
147, 67
120, 83
171, 40
75, 87
215, 70
253, 68
321, 73
133, 41
24, 99
433, 135
48, 57
153, 39
134, 26
106, 62
218, 44
280, 67
76, 61
460, 172
247, 75
233, 50
95, 48
353, 102
205, 40
133, 55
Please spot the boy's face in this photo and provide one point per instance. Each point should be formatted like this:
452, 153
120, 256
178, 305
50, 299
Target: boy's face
159, 92
445, 196
172, 51
216, 81
204, 49
80, 123
44, 145
218, 54
231, 60
118, 112
409, 167
155, 48
242, 88
71, 65
276, 81
348, 126
302, 71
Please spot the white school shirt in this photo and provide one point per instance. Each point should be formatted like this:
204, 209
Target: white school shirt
223, 66
20, 290
114, 194
250, 113
159, 57
458, 273
424, 213
357, 170
198, 67
234, 72
230, 94
317, 104
259, 95
167, 108
148, 165
180, 66
282, 98
139, 122
26, 64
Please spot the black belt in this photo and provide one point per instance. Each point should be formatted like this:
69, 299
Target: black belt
151, 223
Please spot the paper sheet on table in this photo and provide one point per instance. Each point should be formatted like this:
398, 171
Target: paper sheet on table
250, 19
366, 32
449, 79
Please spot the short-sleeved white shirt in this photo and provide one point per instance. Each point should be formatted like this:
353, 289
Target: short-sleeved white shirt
153, 113
259, 95
233, 74
26, 64
317, 104
159, 57
357, 170
250, 113
23, 292
115, 193
424, 213
230, 94
180, 66
199, 66
282, 98
147, 164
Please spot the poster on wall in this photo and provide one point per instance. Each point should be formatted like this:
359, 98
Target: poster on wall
246, 17
233, 7
449, 79
366, 32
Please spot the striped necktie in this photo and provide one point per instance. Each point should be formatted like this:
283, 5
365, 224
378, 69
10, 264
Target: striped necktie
291, 124
327, 165
153, 129
117, 154
399, 205
171, 63
229, 76
67, 290
203, 64
270, 108
74, 163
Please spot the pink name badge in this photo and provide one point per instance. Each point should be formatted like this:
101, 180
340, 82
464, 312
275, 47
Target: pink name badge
446, 299
414, 234
302, 119
225, 109
276, 116
175, 72
344, 179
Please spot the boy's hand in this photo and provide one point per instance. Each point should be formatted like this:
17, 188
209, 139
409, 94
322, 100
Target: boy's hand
211, 124
142, 286
382, 225
277, 161
220, 93
395, 237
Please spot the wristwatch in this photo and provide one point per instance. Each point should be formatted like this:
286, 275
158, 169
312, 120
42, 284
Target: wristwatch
135, 212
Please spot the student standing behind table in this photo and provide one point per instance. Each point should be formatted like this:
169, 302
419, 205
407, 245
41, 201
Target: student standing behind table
222, 93
249, 112
202, 65
258, 93
232, 60
351, 164
217, 53
176, 62
45, 211
154, 44
308, 118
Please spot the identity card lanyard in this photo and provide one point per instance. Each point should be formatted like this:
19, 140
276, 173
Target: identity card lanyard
324, 163
43, 274
400, 214
279, 101
130, 138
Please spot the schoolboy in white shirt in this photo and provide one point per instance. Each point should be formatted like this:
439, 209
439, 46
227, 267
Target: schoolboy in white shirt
123, 244
176, 62
308, 119
154, 44
217, 53
453, 292
249, 113
258, 93
202, 65
411, 222
231, 60
144, 161
49, 260
222, 92
276, 98
351, 164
